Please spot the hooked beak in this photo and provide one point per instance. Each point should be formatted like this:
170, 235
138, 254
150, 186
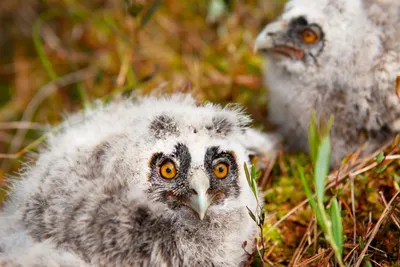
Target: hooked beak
272, 40
265, 40
200, 200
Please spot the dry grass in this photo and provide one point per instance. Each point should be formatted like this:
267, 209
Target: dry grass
95, 49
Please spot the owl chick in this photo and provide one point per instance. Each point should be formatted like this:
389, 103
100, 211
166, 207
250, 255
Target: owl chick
337, 57
153, 182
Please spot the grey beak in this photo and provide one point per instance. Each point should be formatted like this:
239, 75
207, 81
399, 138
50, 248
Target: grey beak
200, 204
200, 201
264, 40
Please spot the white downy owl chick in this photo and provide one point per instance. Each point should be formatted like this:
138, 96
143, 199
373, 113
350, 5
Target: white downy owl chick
153, 182
337, 57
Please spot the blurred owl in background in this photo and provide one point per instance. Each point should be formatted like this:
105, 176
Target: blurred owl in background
337, 57
154, 182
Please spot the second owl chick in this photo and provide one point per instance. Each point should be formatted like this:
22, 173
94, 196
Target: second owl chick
156, 182
336, 57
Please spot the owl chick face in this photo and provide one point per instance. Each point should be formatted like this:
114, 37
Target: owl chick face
312, 34
294, 39
196, 171
193, 187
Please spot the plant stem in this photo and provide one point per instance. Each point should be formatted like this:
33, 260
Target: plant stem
329, 234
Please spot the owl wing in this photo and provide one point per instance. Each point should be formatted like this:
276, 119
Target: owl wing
17, 248
101, 222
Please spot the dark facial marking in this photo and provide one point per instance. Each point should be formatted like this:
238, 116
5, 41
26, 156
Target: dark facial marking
299, 21
182, 160
221, 126
163, 125
229, 185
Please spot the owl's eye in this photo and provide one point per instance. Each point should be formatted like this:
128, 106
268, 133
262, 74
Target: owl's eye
168, 170
221, 170
309, 36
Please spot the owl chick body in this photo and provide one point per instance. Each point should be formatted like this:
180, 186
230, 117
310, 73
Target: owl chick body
156, 182
339, 58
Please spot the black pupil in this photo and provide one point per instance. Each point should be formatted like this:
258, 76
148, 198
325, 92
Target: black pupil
221, 169
168, 170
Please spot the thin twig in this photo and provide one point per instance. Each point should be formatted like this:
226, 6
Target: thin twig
353, 209
365, 169
21, 125
268, 253
299, 249
264, 179
124, 69
373, 165
385, 213
351, 252
312, 259
377, 264
26, 149
392, 157
394, 219
379, 250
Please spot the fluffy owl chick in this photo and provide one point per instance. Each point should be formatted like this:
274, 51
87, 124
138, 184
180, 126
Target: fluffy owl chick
155, 182
337, 57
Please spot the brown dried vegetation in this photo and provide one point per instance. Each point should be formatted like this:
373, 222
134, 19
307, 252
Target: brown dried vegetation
58, 56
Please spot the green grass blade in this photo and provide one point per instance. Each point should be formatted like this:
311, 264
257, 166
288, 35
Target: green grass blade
253, 172
313, 138
254, 181
310, 197
149, 13
337, 227
251, 179
112, 25
322, 168
253, 217
246, 171
254, 188
39, 45
329, 125
83, 96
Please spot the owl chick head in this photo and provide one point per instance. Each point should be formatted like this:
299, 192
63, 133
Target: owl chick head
186, 157
196, 163
319, 36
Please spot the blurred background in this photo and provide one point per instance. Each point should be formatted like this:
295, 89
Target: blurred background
57, 57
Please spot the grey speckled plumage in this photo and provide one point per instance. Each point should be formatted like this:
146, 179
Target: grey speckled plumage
98, 195
336, 57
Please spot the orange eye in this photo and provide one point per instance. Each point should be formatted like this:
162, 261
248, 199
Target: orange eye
309, 36
221, 170
168, 170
